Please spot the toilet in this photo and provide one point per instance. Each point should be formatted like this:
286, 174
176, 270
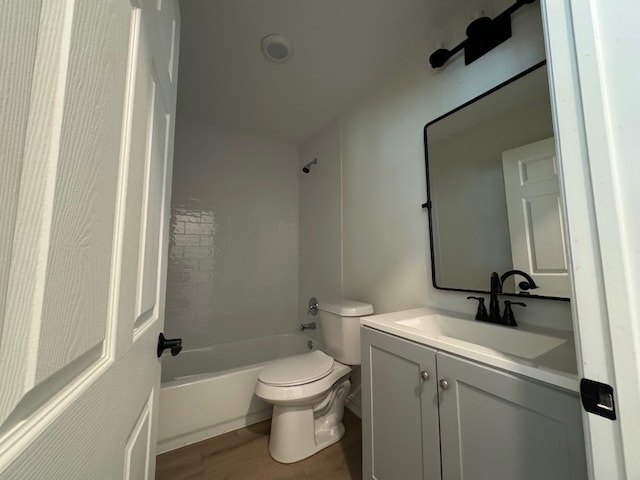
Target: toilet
308, 391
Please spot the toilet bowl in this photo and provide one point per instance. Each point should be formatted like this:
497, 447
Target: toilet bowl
307, 407
308, 391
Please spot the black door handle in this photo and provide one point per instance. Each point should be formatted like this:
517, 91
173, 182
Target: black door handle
175, 344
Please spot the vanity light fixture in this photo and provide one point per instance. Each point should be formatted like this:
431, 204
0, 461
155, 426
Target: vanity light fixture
483, 35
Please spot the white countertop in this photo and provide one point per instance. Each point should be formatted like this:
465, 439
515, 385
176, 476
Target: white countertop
556, 367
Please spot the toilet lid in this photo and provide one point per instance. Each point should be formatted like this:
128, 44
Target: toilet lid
297, 370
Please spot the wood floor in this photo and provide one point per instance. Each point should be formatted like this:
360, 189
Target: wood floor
244, 454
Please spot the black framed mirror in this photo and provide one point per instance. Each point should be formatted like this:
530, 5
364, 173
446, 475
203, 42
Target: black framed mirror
493, 192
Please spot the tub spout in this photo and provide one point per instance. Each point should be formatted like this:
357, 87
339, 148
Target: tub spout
308, 326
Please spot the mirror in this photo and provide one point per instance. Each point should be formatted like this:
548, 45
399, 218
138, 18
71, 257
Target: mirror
493, 191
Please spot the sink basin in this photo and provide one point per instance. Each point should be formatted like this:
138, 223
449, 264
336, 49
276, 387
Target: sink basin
507, 340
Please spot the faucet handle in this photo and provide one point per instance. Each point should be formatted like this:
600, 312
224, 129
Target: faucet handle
508, 318
313, 306
481, 314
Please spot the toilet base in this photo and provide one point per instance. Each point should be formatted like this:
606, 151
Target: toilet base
297, 432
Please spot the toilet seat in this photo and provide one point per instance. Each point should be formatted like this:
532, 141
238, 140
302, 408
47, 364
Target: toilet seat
305, 393
297, 369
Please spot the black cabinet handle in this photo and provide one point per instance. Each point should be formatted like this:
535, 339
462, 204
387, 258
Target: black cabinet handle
175, 344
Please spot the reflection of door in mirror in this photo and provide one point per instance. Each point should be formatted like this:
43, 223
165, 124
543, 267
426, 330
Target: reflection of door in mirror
535, 216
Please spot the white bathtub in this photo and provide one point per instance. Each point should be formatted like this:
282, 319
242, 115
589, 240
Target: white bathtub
210, 391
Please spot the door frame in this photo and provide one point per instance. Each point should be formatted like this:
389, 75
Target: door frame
589, 45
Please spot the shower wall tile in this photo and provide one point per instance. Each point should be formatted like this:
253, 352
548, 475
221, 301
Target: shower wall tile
179, 227
187, 240
199, 228
205, 240
233, 263
197, 252
187, 218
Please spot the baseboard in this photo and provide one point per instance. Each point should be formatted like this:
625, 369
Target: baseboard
354, 406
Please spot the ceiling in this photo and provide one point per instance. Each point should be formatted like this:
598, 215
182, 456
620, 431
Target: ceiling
340, 48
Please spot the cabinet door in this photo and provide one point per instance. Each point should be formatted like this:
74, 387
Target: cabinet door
498, 426
399, 409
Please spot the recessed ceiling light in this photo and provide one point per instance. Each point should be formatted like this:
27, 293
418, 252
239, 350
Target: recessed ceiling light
276, 48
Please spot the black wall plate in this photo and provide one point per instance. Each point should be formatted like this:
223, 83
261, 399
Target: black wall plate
598, 398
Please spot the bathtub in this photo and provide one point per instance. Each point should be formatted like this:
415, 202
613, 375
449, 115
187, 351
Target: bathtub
209, 391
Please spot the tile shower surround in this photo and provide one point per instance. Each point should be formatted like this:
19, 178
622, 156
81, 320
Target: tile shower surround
233, 265
190, 272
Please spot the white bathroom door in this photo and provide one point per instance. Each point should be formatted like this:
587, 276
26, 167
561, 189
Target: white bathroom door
87, 102
535, 216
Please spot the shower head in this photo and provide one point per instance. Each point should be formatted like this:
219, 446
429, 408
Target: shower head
307, 167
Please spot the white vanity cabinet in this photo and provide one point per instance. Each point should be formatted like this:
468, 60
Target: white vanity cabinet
463, 420
400, 429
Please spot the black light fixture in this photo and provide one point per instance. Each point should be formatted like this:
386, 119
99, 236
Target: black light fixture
483, 34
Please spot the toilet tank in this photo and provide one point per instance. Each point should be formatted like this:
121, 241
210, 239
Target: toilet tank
340, 323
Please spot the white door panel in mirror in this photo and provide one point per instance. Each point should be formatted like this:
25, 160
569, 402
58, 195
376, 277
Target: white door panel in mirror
535, 216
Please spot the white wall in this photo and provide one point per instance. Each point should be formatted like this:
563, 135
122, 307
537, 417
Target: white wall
320, 220
385, 230
233, 262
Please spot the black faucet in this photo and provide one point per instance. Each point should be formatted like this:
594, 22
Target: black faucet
497, 282
528, 285
494, 303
